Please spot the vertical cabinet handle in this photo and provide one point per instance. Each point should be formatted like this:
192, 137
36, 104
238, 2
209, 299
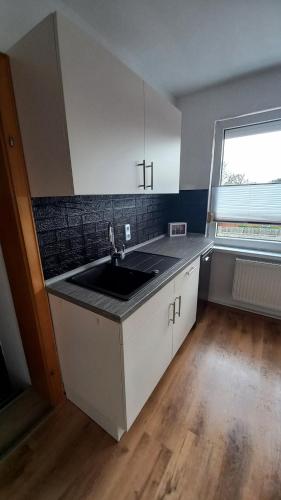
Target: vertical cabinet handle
144, 167
151, 166
188, 273
178, 313
142, 164
173, 319
175, 313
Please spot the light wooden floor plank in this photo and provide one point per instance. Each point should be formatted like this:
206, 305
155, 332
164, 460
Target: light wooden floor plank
210, 431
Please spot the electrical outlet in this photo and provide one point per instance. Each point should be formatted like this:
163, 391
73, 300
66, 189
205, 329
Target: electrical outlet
127, 232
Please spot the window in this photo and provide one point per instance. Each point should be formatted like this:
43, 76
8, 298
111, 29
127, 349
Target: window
252, 154
268, 232
246, 185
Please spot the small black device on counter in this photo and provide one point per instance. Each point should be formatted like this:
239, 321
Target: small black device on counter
204, 282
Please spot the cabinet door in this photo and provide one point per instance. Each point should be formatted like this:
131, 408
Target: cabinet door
186, 293
147, 349
90, 356
39, 98
104, 108
162, 142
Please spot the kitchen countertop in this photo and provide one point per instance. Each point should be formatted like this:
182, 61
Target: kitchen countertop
187, 249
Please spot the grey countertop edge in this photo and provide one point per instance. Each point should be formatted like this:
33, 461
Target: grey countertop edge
158, 282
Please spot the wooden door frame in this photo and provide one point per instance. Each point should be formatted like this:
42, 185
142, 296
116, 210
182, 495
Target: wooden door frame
21, 252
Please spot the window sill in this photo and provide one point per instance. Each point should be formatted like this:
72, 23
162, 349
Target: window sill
247, 252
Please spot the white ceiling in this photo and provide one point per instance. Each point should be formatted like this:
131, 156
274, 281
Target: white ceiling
177, 45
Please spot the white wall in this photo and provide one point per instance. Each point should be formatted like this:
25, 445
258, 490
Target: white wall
10, 338
18, 17
200, 111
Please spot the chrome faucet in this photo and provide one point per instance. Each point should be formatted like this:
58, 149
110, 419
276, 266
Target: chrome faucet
116, 254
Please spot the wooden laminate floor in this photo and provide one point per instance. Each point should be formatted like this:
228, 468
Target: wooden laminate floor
19, 417
211, 429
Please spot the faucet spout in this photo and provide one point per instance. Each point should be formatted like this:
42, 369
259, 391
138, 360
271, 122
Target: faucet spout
111, 236
116, 254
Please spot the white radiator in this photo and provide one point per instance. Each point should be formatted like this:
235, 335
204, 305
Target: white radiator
257, 283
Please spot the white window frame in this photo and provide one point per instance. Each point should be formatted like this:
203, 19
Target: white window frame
217, 156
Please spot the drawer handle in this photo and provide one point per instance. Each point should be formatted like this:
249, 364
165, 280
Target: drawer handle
178, 313
173, 319
188, 273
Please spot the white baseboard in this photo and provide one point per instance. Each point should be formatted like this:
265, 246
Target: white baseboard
242, 307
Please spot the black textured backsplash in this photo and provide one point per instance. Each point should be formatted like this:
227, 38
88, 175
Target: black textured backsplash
72, 230
191, 207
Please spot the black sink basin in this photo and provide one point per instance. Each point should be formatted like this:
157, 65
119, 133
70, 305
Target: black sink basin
125, 280
119, 282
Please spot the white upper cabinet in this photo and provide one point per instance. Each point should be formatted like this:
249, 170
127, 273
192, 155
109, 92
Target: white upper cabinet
104, 115
162, 142
40, 106
87, 120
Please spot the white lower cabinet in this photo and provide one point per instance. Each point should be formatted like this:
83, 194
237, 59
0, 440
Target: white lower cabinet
147, 349
186, 293
110, 369
90, 354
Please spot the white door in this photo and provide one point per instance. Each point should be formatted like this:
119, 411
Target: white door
147, 349
104, 108
162, 142
186, 293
